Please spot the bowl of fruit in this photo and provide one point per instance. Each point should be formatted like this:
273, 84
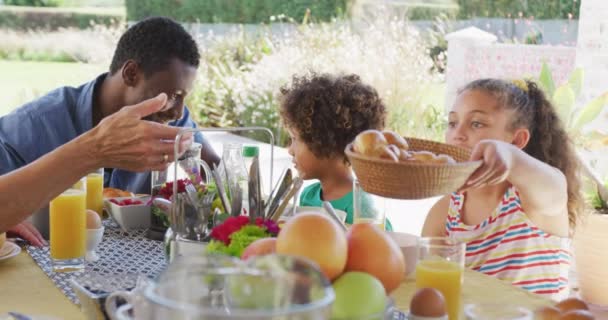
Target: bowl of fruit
130, 212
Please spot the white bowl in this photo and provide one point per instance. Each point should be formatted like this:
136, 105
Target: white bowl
131, 216
341, 214
408, 244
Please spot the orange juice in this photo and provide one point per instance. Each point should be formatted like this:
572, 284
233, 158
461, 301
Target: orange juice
444, 276
95, 193
369, 220
68, 225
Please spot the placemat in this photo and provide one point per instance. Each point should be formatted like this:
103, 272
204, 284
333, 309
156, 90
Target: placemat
120, 252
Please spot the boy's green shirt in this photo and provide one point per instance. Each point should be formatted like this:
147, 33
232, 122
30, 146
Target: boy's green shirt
311, 197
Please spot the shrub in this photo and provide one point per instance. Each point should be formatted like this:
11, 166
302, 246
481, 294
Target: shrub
22, 18
94, 45
234, 11
539, 9
33, 3
240, 76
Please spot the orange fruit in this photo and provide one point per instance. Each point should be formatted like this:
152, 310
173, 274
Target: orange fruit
547, 313
571, 304
577, 315
316, 237
371, 250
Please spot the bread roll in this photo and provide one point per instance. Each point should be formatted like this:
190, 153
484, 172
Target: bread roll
370, 143
393, 138
424, 156
115, 193
2, 239
444, 159
404, 155
390, 152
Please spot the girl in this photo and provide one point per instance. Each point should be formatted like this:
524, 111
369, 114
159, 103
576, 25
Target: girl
324, 113
516, 211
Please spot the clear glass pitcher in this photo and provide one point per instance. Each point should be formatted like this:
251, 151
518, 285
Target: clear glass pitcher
192, 197
237, 176
214, 287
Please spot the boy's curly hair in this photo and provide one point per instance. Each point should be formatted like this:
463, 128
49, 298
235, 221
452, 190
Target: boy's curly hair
329, 111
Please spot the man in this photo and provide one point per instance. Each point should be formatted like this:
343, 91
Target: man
83, 156
154, 56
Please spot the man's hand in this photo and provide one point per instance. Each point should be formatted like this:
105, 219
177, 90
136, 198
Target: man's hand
123, 140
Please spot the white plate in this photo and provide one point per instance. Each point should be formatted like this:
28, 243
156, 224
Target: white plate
9, 250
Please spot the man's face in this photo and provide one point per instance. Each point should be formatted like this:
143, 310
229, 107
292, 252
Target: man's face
176, 80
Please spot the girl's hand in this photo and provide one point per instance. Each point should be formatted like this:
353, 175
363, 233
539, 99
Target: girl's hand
497, 157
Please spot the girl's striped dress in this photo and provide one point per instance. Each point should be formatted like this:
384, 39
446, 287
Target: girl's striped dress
508, 246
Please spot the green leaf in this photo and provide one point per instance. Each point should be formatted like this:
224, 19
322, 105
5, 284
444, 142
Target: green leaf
576, 81
564, 99
546, 80
590, 111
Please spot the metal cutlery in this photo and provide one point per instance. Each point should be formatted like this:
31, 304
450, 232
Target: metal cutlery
295, 188
254, 192
220, 188
278, 193
332, 213
236, 197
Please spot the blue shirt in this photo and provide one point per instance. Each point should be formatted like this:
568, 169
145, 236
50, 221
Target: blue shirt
50, 121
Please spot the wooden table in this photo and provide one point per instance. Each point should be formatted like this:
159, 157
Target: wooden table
478, 288
25, 288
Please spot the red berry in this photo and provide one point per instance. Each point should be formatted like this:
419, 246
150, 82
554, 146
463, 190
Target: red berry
114, 201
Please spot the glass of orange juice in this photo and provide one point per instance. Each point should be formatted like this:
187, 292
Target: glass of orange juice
67, 229
441, 266
368, 207
95, 191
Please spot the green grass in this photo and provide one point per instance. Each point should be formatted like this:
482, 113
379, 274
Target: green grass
21, 82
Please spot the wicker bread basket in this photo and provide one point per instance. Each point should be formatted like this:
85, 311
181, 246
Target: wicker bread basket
413, 180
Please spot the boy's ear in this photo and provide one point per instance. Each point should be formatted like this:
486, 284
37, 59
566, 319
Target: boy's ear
521, 137
130, 73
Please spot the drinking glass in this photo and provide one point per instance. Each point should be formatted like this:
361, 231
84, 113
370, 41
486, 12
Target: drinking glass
368, 208
68, 224
95, 191
441, 266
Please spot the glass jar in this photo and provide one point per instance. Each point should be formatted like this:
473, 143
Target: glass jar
237, 175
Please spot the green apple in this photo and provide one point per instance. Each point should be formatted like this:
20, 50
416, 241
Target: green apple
256, 292
358, 294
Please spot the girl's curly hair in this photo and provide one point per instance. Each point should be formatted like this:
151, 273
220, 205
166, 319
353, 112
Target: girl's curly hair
329, 111
549, 141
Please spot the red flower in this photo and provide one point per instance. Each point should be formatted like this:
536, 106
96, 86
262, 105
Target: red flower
166, 191
231, 225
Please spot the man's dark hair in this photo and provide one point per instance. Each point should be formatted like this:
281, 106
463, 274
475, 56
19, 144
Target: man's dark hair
152, 43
